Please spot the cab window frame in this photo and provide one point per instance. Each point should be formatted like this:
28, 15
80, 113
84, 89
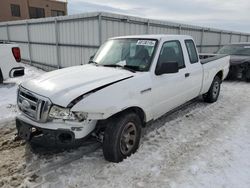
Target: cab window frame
189, 53
181, 53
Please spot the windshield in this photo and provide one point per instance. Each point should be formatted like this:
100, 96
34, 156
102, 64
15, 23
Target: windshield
243, 50
135, 54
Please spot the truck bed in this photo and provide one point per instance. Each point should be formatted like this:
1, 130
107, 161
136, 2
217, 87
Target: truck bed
206, 58
9, 59
211, 64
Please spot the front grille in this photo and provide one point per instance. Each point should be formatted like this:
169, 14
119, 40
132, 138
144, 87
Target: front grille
34, 106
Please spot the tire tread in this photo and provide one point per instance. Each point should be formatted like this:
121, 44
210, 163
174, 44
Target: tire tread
112, 133
208, 97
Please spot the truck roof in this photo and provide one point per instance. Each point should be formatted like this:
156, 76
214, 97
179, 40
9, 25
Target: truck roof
158, 37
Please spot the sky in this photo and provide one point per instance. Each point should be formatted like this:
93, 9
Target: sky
233, 15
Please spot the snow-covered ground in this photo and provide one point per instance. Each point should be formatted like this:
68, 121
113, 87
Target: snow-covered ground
8, 92
201, 145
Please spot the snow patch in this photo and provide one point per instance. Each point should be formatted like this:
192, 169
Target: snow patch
201, 145
8, 92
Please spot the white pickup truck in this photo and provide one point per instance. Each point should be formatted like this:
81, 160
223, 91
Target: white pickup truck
9, 57
130, 81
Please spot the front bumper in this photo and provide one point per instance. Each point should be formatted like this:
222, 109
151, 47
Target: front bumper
52, 133
45, 137
80, 129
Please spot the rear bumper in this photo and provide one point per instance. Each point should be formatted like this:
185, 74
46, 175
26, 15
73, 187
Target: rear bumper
16, 72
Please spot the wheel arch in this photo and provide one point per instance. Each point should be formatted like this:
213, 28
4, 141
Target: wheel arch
220, 74
102, 124
137, 110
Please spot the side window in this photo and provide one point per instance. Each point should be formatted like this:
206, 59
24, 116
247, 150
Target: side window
192, 53
172, 52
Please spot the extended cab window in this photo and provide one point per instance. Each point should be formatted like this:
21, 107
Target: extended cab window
192, 53
171, 52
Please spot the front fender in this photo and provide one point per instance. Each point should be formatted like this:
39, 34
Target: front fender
118, 97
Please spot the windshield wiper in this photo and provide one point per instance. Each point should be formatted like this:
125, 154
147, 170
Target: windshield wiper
120, 66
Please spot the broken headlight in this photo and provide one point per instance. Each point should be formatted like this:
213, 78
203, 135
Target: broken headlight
57, 112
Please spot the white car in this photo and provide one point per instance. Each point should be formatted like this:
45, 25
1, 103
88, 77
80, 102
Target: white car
130, 81
10, 55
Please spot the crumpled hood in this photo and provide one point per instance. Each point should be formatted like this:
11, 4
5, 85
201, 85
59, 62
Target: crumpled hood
236, 60
64, 85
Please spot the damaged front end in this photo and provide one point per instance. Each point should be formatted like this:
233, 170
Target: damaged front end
239, 71
45, 137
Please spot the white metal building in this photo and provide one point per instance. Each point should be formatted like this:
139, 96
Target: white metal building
52, 43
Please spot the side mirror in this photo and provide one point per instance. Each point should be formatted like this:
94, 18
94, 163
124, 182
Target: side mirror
167, 68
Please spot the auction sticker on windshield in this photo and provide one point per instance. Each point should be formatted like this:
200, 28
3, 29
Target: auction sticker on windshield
146, 42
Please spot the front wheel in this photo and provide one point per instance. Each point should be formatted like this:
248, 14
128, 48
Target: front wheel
214, 91
122, 137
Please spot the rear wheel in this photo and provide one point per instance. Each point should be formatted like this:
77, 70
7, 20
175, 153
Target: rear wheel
122, 137
214, 91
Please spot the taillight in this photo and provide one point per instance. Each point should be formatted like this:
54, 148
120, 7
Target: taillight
16, 53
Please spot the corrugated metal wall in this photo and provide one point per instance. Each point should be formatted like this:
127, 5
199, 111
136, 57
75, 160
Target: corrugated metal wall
52, 43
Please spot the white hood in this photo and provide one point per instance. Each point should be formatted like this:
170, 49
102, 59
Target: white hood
64, 85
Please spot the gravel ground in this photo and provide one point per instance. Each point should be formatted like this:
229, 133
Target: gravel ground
200, 145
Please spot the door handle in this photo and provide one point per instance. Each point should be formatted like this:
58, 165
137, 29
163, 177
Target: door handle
187, 75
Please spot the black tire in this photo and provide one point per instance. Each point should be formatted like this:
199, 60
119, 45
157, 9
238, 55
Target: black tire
1, 77
115, 142
214, 91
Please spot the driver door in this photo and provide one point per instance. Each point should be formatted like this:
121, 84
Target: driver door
169, 89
